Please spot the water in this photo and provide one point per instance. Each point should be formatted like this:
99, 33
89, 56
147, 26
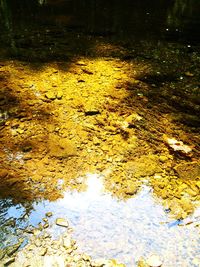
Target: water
104, 226
125, 230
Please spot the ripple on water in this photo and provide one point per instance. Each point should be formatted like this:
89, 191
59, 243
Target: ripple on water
125, 230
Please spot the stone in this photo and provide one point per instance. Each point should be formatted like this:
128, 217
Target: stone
3, 173
48, 214
59, 95
50, 95
154, 261
81, 63
46, 225
8, 261
61, 147
188, 170
163, 158
92, 112
12, 249
2, 253
62, 222
43, 251
36, 232
67, 242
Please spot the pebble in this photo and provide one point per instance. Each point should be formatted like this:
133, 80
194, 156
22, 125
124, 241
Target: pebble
59, 95
50, 95
163, 158
43, 251
154, 261
62, 222
49, 214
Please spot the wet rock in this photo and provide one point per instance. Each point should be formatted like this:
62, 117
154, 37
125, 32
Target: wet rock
142, 263
26, 149
50, 95
61, 147
163, 158
146, 165
87, 71
38, 243
59, 95
132, 119
46, 225
45, 220
62, 222
67, 242
43, 251
36, 232
3, 173
48, 214
2, 253
189, 74
8, 261
81, 63
92, 112
132, 188
188, 170
12, 249
154, 261
177, 146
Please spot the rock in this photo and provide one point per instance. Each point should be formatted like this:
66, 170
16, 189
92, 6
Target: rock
163, 158
154, 261
3, 173
132, 119
81, 63
2, 253
46, 225
91, 112
48, 214
8, 261
43, 251
12, 249
87, 71
132, 188
59, 95
189, 74
61, 147
50, 95
62, 222
38, 243
67, 242
177, 146
36, 232
188, 170
142, 263
96, 141
146, 165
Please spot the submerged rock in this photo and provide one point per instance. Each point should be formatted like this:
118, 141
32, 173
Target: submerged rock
49, 214
60, 147
62, 222
154, 261
50, 95
188, 170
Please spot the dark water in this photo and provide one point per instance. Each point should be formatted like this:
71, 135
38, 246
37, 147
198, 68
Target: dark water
156, 19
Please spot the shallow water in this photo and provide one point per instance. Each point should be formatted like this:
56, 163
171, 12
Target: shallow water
106, 227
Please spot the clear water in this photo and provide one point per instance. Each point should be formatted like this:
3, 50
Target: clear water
125, 230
